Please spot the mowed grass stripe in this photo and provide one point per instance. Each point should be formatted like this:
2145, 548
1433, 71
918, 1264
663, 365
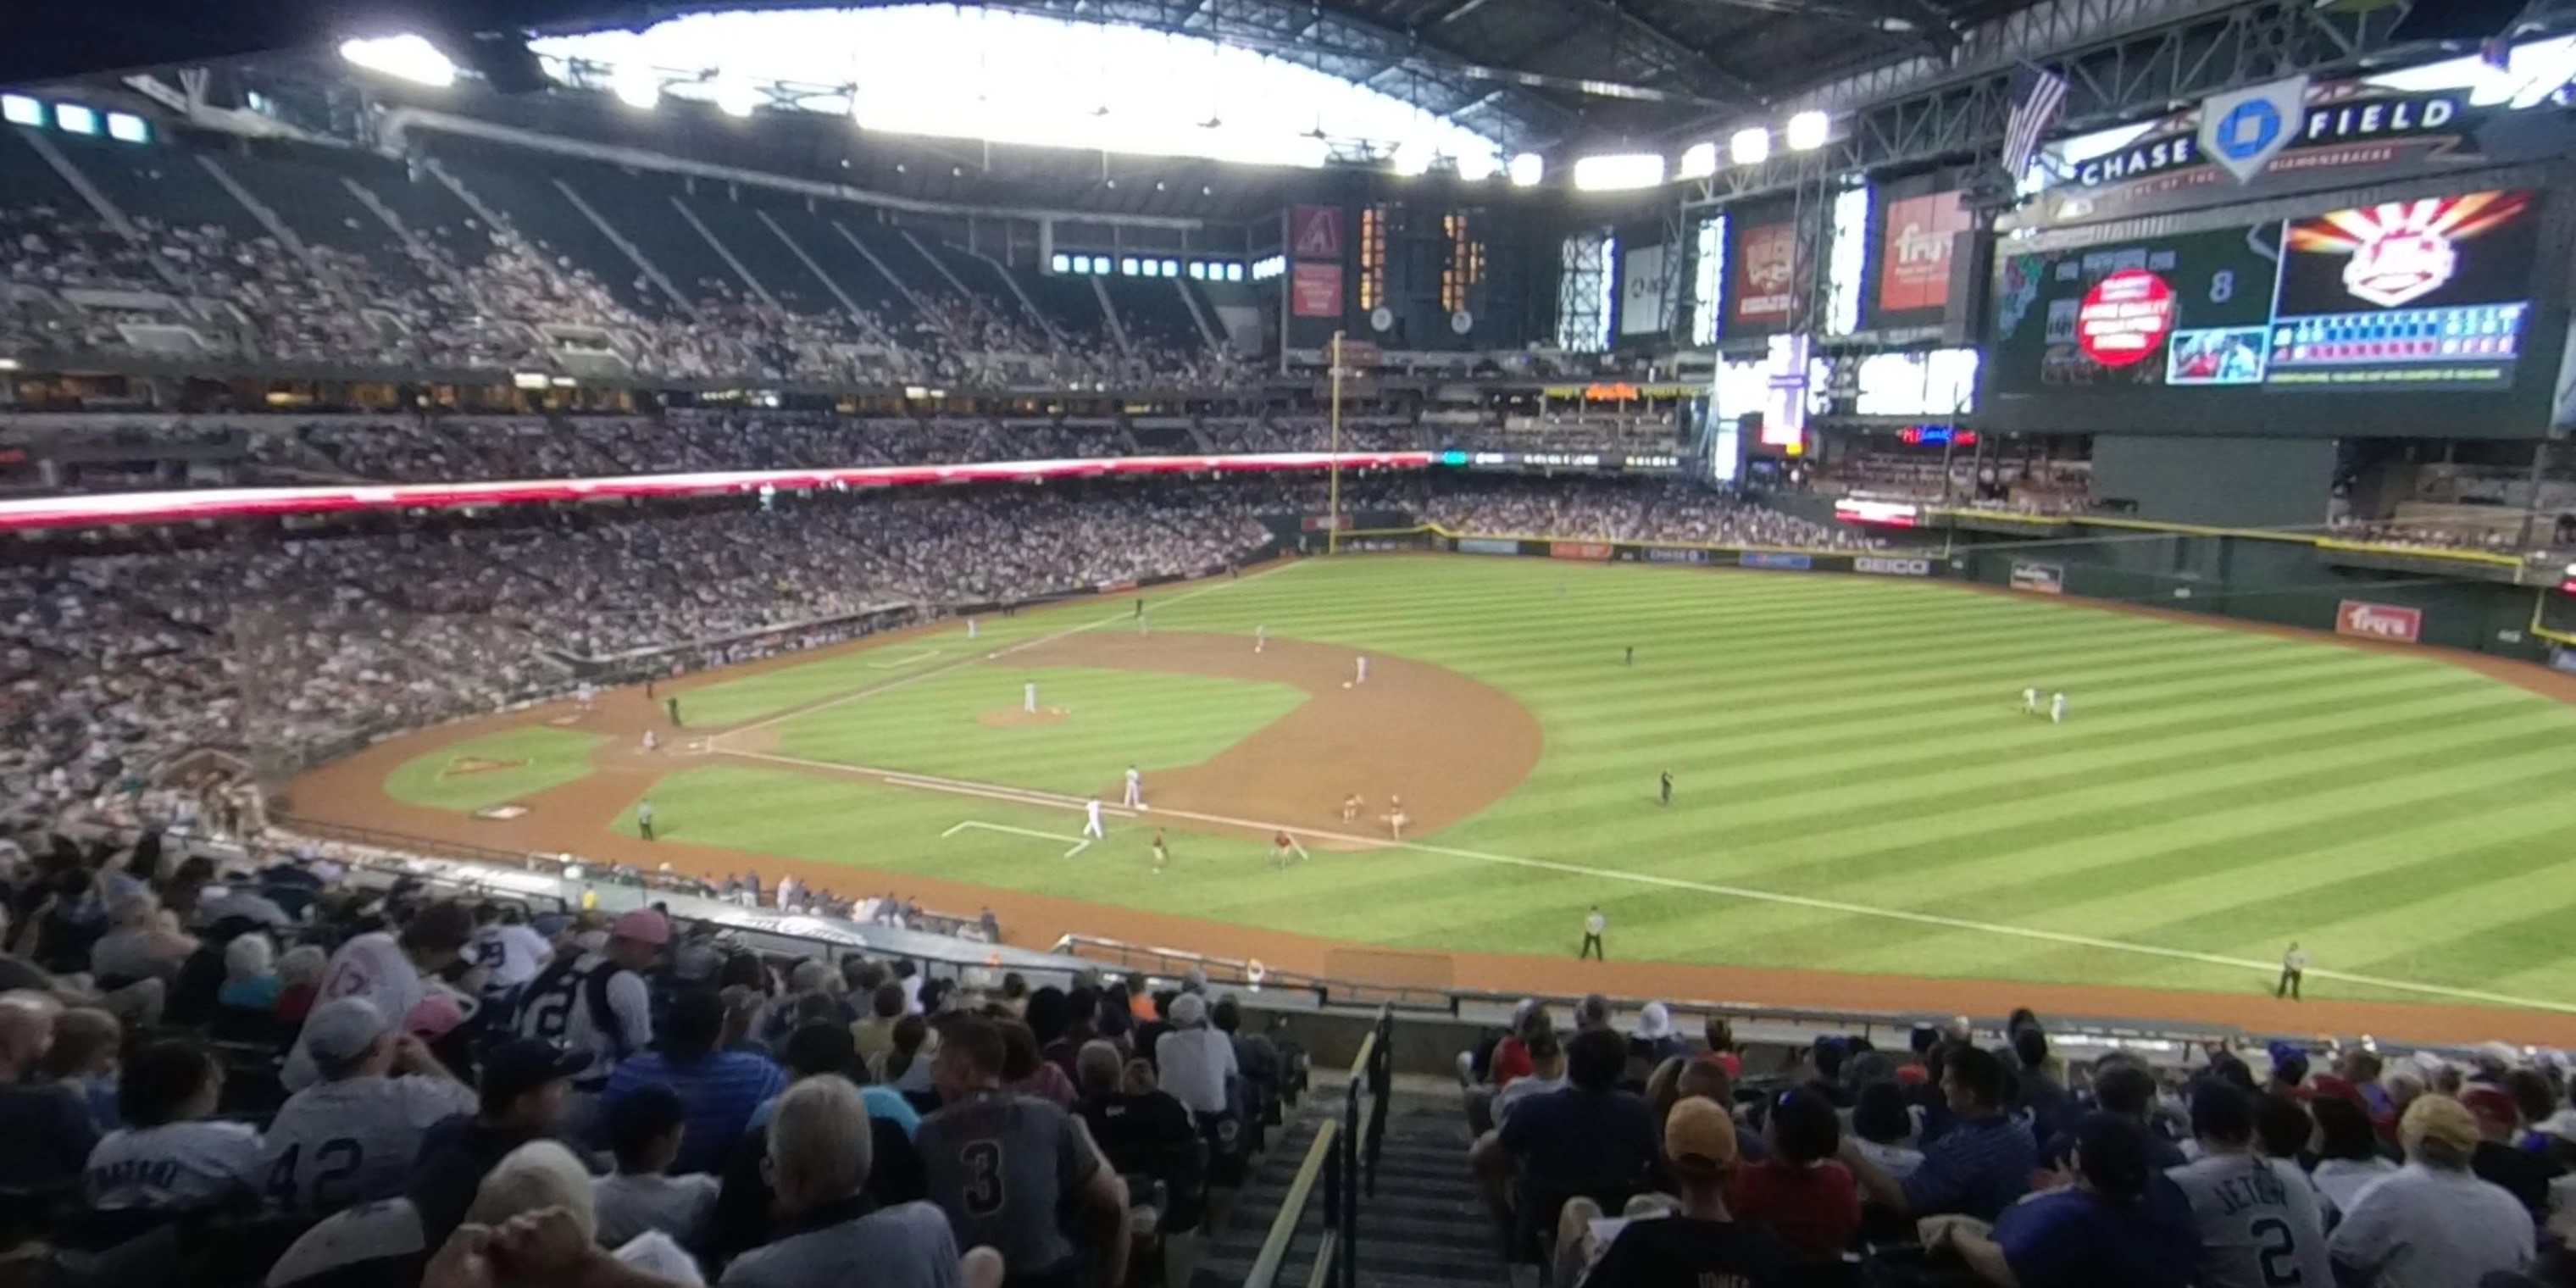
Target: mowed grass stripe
1854, 739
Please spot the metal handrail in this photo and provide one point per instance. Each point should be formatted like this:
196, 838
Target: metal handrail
1292, 1209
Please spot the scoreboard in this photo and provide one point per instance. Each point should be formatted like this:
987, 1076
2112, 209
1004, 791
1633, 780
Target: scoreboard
2408, 317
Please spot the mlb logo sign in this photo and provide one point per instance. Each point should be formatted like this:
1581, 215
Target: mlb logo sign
2379, 621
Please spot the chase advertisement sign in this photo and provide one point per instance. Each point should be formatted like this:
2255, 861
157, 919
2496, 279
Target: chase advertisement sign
2285, 136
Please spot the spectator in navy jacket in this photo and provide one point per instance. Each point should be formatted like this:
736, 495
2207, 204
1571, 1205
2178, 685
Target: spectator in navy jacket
1978, 1167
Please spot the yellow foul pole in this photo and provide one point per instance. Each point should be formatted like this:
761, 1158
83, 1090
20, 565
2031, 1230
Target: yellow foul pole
1333, 485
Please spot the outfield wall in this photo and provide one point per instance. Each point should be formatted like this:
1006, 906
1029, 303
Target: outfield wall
2270, 579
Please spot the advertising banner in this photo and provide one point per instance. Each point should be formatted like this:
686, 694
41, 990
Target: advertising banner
2264, 140
1893, 565
1763, 277
2039, 578
1641, 291
1315, 232
1315, 291
1914, 253
1593, 551
2379, 621
1775, 560
1487, 546
1664, 555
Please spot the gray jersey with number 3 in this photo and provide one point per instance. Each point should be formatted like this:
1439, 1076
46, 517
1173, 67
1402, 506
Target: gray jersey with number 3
1000, 1165
2258, 1222
338, 1144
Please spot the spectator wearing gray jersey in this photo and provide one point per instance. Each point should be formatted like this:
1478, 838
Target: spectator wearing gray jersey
1002, 1166
820, 1150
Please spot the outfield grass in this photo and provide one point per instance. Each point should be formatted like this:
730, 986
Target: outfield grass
547, 758
1850, 740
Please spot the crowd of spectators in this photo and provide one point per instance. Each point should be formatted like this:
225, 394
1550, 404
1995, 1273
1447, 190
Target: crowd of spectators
1637, 1159
110, 663
487, 298
270, 1070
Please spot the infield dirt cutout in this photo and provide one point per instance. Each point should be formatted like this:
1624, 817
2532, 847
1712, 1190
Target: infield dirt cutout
462, 766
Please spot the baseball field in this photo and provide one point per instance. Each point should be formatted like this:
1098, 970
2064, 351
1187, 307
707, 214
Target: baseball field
1862, 813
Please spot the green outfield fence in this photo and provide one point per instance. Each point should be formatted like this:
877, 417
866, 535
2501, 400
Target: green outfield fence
2463, 599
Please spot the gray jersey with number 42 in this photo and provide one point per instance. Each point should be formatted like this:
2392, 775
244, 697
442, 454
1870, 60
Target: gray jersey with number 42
339, 1144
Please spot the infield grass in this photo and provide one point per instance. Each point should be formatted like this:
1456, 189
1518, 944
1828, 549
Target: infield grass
1839, 738
521, 762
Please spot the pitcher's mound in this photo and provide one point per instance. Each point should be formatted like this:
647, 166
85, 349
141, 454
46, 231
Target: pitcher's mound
1016, 718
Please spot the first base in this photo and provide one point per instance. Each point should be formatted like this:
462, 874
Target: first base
1346, 684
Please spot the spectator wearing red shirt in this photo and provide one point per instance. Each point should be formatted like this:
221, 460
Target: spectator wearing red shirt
1806, 1198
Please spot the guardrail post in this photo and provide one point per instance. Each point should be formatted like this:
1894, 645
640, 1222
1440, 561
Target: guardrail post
1349, 1161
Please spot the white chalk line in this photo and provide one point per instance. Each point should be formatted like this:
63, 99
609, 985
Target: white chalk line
1079, 843
898, 663
1054, 800
935, 672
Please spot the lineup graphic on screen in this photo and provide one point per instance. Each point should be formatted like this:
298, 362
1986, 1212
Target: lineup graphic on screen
2425, 294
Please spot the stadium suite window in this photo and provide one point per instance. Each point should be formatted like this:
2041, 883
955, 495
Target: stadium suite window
18, 109
1234, 272
76, 119
1171, 268
1064, 263
1128, 266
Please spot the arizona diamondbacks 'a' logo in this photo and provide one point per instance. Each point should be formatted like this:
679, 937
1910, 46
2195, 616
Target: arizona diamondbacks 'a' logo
2242, 130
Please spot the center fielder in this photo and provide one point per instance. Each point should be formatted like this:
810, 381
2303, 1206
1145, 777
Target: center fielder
1135, 789
1260, 637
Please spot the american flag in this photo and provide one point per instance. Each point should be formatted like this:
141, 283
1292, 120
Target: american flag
2037, 97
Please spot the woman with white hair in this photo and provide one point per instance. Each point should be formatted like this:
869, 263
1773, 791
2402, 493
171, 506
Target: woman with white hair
543, 1174
820, 1150
299, 978
250, 975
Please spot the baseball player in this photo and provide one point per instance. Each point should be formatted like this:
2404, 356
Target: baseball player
1395, 817
2030, 702
1140, 608
1593, 924
1162, 853
1362, 677
1667, 786
2057, 708
1135, 789
970, 628
652, 741
672, 704
1029, 697
1091, 819
1351, 807
1260, 637
586, 694
1284, 847
1144, 624
1632, 656
644, 819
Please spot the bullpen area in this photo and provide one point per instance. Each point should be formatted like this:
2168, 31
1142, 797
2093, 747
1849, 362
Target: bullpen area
1862, 813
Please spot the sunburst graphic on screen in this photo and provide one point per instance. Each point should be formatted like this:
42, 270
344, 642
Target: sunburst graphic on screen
2403, 251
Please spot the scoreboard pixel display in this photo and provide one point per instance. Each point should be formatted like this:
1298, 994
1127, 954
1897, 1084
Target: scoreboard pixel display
2413, 316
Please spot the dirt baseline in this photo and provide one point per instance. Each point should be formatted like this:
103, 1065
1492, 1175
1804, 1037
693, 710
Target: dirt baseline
574, 819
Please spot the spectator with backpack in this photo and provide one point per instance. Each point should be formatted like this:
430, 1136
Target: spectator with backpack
597, 1003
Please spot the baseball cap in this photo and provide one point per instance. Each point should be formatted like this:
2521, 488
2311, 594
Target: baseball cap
521, 1065
2442, 1123
1699, 1136
2494, 1104
551, 924
644, 926
1655, 1022
343, 1029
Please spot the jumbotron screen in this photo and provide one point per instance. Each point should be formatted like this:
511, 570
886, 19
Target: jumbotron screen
2279, 327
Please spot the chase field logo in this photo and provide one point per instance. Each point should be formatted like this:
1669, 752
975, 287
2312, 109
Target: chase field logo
2244, 129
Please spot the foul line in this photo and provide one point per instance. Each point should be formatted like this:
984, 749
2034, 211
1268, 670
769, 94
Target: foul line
898, 663
1053, 800
1079, 843
716, 743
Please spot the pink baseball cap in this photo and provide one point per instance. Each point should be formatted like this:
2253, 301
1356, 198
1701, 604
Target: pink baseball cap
644, 926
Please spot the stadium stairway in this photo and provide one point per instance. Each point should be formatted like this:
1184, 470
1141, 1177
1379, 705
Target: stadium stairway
1423, 1228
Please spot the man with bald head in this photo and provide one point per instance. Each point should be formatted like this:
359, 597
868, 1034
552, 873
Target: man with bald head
48, 1128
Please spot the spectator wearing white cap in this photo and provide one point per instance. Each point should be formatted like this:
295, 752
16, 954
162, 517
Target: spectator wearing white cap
1194, 1062
352, 1137
1656, 1039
